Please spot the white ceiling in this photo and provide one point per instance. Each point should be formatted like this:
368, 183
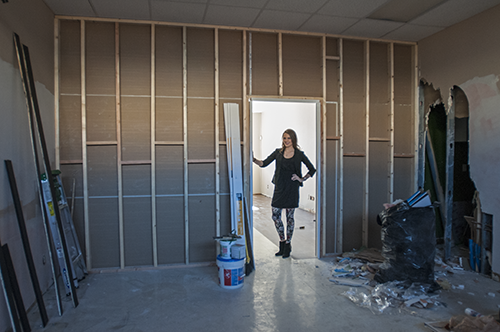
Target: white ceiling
406, 20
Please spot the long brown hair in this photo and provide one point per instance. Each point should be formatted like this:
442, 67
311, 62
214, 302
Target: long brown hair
293, 136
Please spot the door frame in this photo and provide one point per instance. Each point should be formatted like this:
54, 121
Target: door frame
320, 150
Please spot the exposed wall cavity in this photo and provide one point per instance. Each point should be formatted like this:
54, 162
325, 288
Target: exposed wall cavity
484, 139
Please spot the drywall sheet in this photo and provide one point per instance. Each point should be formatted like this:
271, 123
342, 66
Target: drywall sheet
168, 120
170, 229
332, 127
331, 193
68, 174
403, 177
136, 180
354, 97
403, 74
332, 80
378, 189
138, 236
135, 59
70, 128
100, 58
225, 214
101, 118
379, 91
137, 215
403, 129
168, 63
201, 178
223, 172
104, 232
69, 57
201, 228
230, 64
302, 66
136, 128
201, 128
354, 127
102, 171
353, 202
169, 170
264, 64
200, 63
332, 48
484, 98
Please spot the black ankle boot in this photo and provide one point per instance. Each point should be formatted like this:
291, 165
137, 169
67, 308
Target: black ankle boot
282, 246
287, 250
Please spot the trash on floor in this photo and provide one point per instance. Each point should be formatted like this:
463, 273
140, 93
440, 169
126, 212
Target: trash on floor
472, 322
394, 294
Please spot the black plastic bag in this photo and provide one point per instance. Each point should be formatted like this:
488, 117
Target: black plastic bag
408, 244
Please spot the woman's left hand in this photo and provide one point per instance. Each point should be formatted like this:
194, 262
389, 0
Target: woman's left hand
295, 177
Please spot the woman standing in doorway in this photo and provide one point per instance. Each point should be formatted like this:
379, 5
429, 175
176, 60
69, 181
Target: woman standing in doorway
287, 179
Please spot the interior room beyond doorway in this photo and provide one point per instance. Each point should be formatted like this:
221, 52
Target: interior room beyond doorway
269, 120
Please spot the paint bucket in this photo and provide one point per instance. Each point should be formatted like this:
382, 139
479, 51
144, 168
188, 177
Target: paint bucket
231, 272
225, 248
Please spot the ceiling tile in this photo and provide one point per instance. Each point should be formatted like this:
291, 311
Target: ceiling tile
240, 3
177, 12
309, 6
272, 19
126, 9
454, 11
328, 24
232, 16
351, 8
413, 33
73, 8
372, 28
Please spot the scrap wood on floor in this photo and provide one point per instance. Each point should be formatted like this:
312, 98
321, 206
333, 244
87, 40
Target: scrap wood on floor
467, 324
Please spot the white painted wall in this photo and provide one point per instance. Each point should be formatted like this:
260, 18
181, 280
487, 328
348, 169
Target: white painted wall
466, 55
275, 118
34, 23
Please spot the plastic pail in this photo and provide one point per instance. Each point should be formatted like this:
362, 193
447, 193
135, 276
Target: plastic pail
231, 273
225, 248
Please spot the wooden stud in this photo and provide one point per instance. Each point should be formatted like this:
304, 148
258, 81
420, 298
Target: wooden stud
450, 163
212, 26
153, 147
119, 145
84, 147
184, 134
416, 118
247, 143
340, 216
366, 184
57, 115
280, 63
321, 204
390, 176
217, 126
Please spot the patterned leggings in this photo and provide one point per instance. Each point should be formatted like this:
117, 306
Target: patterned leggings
290, 223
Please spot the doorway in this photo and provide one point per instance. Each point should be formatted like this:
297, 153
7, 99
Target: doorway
270, 118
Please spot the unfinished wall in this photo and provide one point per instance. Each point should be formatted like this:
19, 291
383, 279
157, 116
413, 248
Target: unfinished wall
464, 55
33, 22
142, 131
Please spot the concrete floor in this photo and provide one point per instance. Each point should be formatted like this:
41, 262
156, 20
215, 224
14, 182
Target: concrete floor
280, 295
303, 240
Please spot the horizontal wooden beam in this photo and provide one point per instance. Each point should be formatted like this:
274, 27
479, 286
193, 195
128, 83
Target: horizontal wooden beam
201, 161
102, 143
136, 162
71, 162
